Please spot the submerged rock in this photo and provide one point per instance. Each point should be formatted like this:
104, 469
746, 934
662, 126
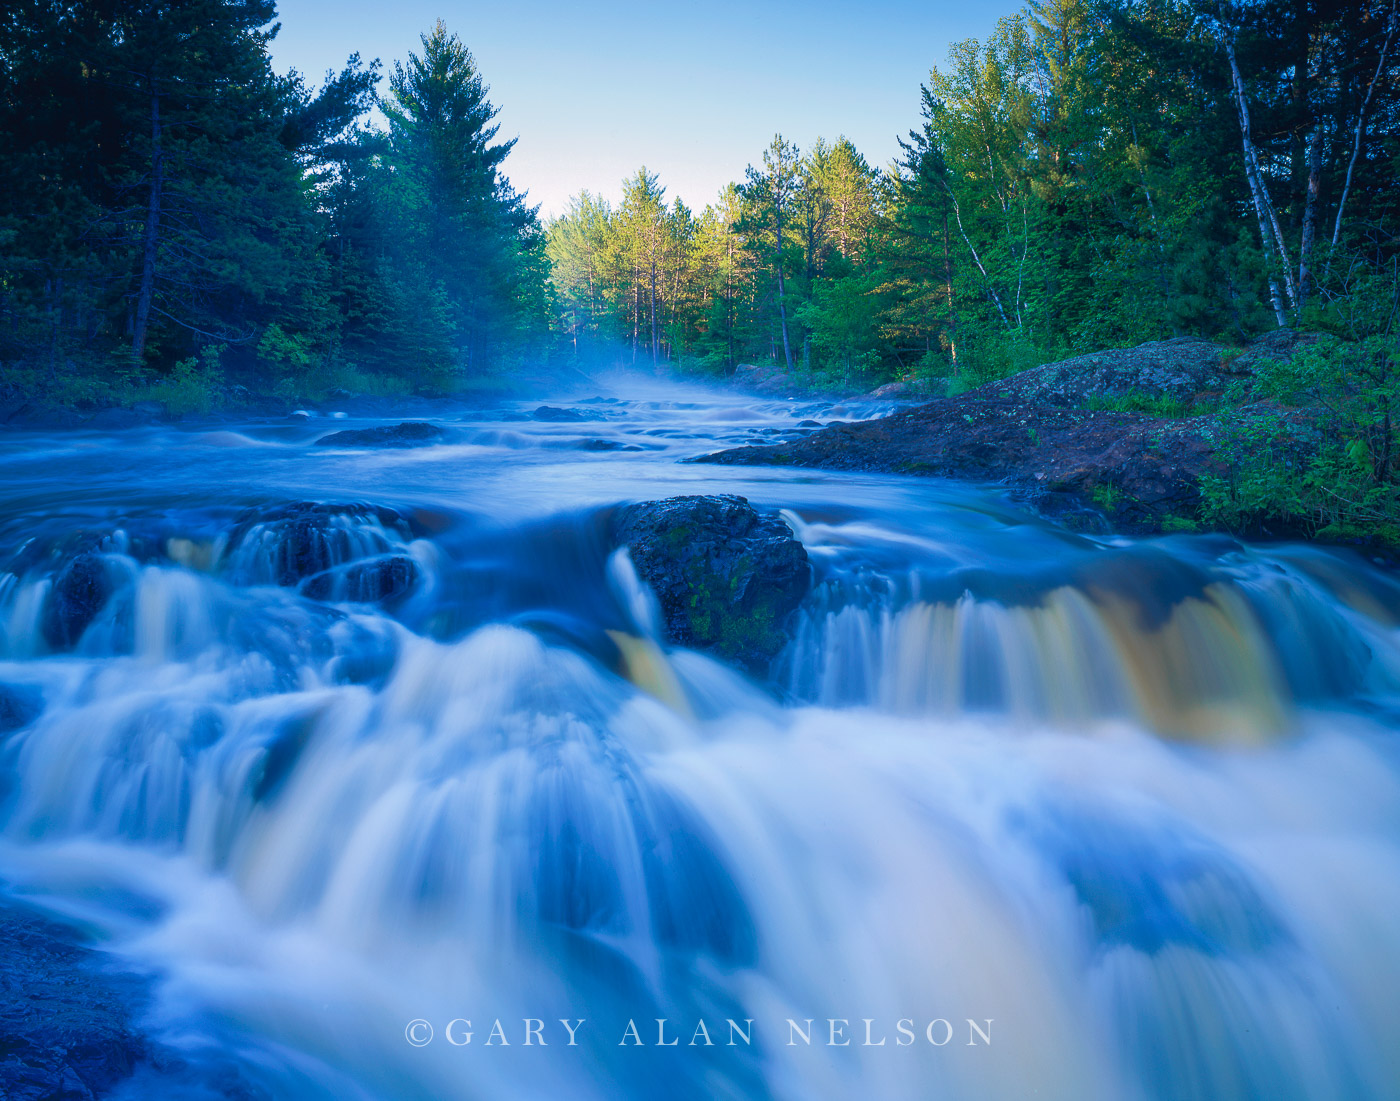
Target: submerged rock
554, 413
70, 1025
380, 580
727, 578
289, 544
68, 1030
407, 434
20, 705
79, 591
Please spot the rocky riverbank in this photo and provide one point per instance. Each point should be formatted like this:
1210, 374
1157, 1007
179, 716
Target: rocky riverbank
71, 1025
1116, 439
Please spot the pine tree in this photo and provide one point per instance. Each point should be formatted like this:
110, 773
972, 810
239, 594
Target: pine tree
642, 237
769, 196
476, 236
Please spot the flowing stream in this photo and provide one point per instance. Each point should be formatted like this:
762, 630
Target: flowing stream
331, 740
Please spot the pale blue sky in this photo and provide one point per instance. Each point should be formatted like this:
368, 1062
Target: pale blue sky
694, 92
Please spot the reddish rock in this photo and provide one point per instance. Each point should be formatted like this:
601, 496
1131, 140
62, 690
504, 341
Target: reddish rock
1143, 468
1036, 432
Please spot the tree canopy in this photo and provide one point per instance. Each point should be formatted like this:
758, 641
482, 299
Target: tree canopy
169, 204
1092, 173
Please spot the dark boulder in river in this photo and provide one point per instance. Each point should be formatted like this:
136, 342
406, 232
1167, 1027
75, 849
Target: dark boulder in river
20, 705
554, 413
388, 580
67, 1026
727, 577
407, 434
332, 551
79, 591
71, 1025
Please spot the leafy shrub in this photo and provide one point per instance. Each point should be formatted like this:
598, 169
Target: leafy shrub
194, 385
989, 354
1107, 496
1319, 449
843, 315
1154, 405
1324, 455
303, 373
708, 365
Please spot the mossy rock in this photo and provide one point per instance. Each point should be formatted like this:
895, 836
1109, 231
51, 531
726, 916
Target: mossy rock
728, 578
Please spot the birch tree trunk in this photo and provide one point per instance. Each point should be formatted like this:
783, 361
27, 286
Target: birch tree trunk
729, 295
1256, 186
1147, 191
1361, 123
952, 312
991, 290
636, 312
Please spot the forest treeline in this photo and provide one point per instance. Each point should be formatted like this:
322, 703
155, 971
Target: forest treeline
1090, 175
177, 219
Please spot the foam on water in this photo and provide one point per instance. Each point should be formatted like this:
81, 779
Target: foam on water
1133, 809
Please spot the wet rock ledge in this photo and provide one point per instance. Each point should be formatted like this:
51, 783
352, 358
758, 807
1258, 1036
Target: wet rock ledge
727, 577
1053, 436
70, 1026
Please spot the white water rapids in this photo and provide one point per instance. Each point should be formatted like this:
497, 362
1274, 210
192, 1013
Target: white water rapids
416, 754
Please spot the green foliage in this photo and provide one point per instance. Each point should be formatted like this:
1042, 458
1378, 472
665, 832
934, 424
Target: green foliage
1323, 454
996, 354
301, 374
290, 355
842, 316
1107, 496
194, 385
145, 218
707, 365
459, 242
1074, 181
76, 389
1275, 485
1075, 184
1153, 405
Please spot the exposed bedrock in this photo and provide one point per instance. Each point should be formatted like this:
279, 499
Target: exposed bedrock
727, 577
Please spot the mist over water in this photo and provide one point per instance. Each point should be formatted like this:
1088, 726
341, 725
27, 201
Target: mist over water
328, 740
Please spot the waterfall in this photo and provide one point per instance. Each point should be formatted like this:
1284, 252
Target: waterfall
1120, 819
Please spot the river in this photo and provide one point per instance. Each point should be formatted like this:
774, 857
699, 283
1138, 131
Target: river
372, 761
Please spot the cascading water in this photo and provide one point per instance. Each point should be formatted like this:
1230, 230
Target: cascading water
1019, 812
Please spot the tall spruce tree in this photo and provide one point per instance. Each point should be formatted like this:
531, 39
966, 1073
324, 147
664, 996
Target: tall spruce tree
475, 235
